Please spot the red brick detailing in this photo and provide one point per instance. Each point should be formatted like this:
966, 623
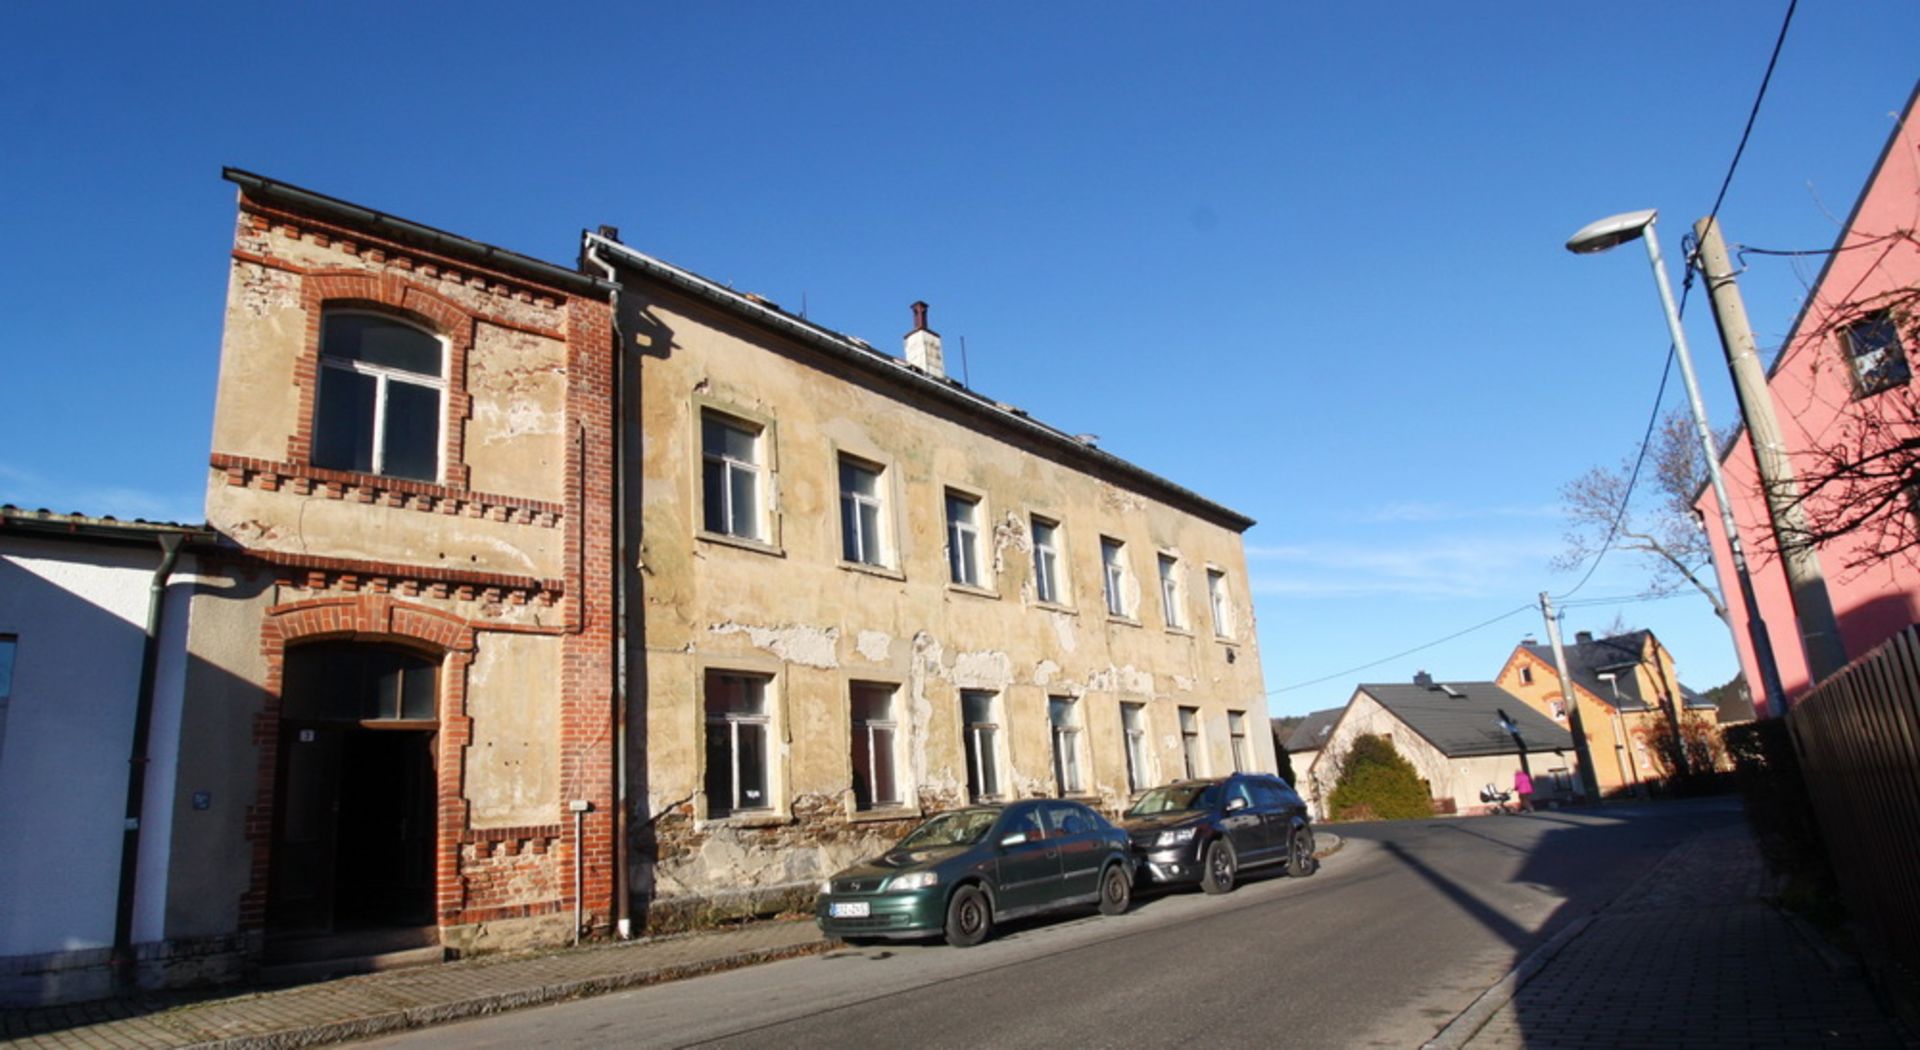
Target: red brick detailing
425, 496
314, 573
513, 870
586, 695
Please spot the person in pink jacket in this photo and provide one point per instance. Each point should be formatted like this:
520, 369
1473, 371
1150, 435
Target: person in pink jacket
1523, 787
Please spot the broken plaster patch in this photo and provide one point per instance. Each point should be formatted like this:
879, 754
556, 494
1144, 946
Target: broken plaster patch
874, 645
1183, 683
1063, 631
988, 669
1043, 672
806, 646
1127, 679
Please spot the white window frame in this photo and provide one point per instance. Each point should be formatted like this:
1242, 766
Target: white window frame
1069, 771
1172, 595
963, 539
1049, 583
1193, 750
1220, 602
756, 468
981, 746
858, 548
864, 737
382, 375
1133, 741
1237, 734
730, 722
1113, 572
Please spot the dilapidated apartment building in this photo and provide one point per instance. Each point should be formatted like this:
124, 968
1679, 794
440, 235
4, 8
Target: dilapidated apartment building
548, 602
864, 593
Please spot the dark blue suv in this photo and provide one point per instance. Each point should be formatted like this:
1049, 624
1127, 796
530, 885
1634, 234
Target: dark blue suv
1208, 831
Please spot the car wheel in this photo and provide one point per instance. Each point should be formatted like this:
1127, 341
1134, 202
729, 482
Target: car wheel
969, 917
1300, 859
1116, 890
1221, 866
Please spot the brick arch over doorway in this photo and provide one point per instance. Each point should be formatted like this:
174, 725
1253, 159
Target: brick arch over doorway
374, 619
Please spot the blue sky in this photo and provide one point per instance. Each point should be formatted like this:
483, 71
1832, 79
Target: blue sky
1304, 259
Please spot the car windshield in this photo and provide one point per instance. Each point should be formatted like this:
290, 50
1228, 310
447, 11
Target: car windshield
962, 828
1176, 797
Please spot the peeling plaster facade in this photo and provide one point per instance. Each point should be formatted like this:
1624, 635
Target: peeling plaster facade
785, 607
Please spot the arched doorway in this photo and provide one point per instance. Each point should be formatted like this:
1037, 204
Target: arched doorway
355, 823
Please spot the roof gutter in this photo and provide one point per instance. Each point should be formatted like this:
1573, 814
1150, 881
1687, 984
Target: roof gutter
865, 357
262, 188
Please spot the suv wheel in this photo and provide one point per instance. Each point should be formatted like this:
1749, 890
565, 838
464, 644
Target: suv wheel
1220, 867
1300, 859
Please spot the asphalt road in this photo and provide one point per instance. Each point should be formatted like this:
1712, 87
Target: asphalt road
1399, 932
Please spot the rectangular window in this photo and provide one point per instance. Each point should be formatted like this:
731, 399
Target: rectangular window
1526, 676
1170, 602
1237, 730
1133, 724
1063, 716
1046, 561
876, 739
1190, 740
1874, 351
1113, 565
963, 538
981, 725
1217, 601
737, 768
862, 525
733, 476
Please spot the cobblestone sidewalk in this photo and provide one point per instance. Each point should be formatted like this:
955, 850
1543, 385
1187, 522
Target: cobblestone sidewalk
1693, 957
371, 1004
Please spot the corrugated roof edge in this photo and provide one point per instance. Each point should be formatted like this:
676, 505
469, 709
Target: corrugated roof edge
407, 231
858, 353
51, 523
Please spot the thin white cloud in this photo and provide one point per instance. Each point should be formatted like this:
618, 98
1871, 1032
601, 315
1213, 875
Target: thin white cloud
1437, 567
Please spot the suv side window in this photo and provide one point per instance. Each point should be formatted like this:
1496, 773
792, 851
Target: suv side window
1268, 795
1238, 789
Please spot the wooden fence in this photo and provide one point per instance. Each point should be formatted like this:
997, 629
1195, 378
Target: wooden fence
1858, 740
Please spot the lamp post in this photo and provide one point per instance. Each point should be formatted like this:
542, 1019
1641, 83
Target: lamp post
1619, 229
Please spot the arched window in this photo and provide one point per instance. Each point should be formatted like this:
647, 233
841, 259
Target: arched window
382, 388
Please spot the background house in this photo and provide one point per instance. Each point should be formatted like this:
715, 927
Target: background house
1842, 390
1626, 687
1452, 734
1308, 739
94, 615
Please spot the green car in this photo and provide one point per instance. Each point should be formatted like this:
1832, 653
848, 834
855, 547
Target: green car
961, 872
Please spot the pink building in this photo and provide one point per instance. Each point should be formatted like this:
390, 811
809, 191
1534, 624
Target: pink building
1843, 391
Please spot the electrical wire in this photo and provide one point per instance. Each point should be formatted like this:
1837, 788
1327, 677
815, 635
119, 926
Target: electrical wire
1646, 441
1529, 607
1744, 250
1754, 113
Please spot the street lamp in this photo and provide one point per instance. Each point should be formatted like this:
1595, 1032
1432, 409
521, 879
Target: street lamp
1619, 229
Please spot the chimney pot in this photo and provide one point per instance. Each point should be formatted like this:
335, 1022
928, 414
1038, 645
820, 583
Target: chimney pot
1423, 679
1582, 637
611, 233
923, 345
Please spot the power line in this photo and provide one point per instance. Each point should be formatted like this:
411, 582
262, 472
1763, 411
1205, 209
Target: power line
1754, 113
1385, 659
1646, 439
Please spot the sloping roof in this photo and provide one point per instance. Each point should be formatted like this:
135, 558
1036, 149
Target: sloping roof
859, 354
1618, 655
1462, 719
1311, 734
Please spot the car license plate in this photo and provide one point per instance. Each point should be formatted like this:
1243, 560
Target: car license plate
848, 910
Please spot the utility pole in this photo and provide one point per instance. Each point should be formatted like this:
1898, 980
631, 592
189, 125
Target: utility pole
1588, 784
1813, 610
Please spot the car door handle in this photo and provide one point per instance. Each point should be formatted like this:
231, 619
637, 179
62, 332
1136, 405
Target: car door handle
1053, 854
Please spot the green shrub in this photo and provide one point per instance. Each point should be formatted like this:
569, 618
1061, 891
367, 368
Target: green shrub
1376, 783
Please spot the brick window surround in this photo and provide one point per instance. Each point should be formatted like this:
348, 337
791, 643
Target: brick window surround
392, 293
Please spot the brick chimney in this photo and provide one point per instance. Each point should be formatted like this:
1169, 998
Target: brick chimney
1582, 637
923, 345
1423, 679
